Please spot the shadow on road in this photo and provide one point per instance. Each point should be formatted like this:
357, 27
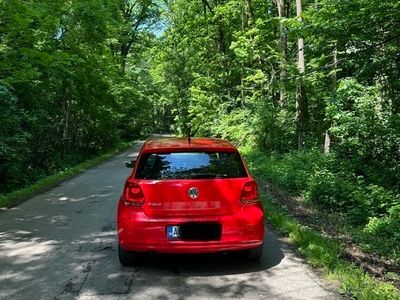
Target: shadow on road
215, 263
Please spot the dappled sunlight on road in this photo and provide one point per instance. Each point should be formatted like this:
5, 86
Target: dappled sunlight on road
64, 198
22, 252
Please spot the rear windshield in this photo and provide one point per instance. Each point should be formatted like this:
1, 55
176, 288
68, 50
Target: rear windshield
190, 165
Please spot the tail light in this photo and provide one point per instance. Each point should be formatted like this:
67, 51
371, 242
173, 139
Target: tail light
249, 193
133, 195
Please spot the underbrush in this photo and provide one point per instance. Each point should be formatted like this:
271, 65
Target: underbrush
372, 215
328, 183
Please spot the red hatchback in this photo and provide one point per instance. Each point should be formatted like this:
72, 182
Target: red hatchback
189, 196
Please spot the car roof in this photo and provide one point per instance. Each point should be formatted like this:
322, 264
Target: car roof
183, 144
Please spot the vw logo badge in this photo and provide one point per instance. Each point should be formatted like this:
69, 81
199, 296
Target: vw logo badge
193, 193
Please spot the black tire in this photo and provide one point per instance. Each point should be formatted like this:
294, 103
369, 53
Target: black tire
127, 258
255, 253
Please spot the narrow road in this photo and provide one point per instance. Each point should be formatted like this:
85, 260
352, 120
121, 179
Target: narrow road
62, 245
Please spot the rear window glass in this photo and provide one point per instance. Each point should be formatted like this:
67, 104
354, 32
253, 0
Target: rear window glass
190, 165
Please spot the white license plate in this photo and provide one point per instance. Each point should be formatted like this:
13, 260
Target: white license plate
173, 232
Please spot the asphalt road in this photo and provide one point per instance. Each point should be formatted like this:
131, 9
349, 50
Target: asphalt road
62, 245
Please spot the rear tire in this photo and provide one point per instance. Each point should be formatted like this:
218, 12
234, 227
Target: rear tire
127, 258
255, 253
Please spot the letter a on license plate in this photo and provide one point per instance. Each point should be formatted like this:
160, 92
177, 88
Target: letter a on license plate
173, 232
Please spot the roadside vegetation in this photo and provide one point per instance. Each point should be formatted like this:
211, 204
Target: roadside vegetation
19, 195
327, 238
366, 211
310, 88
69, 91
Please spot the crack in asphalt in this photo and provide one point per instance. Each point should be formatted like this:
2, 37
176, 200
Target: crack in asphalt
74, 286
127, 283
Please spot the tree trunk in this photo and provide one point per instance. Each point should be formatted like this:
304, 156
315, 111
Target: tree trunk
125, 48
334, 66
301, 114
65, 126
249, 13
301, 99
327, 142
282, 13
221, 41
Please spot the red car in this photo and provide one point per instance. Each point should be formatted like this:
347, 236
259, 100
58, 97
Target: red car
189, 196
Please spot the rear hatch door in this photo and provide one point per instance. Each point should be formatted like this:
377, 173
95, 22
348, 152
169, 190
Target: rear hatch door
191, 183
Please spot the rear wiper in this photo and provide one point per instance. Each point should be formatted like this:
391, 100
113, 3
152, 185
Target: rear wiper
207, 175
221, 176
202, 175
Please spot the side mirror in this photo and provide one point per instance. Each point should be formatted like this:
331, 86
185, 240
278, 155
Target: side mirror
130, 164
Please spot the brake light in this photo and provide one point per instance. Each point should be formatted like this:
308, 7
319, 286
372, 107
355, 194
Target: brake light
133, 195
249, 193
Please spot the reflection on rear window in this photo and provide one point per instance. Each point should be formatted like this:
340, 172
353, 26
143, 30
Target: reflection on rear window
190, 165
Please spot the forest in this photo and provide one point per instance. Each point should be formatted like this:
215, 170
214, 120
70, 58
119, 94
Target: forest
309, 90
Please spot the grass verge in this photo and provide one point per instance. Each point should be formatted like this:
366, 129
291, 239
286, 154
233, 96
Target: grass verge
14, 198
323, 252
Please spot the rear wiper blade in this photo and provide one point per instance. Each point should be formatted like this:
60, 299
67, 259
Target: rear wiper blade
207, 175
221, 176
202, 175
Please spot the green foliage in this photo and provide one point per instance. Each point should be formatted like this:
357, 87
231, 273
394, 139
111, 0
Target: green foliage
363, 135
327, 183
236, 126
373, 199
344, 192
228, 69
63, 95
318, 250
383, 232
13, 140
290, 171
329, 190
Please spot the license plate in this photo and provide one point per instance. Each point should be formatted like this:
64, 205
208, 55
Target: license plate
173, 232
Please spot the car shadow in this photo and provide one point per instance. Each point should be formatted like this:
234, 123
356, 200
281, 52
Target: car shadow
213, 264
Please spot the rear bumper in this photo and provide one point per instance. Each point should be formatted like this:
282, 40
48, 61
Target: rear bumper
138, 232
